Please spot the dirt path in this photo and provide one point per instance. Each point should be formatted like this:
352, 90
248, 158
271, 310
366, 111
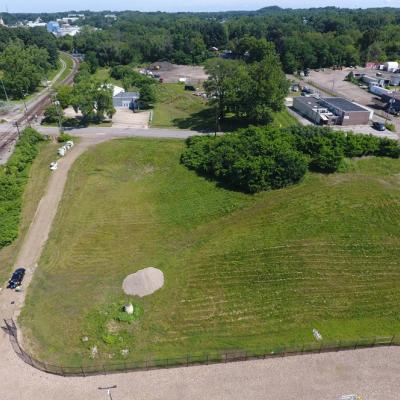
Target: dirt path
372, 373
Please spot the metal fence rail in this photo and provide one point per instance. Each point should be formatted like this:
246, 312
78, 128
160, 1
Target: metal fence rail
191, 360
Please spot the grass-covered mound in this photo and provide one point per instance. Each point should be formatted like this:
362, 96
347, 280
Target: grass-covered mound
257, 159
241, 271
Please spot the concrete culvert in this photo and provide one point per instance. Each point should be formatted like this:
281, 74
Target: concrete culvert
144, 282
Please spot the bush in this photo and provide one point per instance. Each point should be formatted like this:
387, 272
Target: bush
64, 137
251, 160
257, 159
13, 178
390, 127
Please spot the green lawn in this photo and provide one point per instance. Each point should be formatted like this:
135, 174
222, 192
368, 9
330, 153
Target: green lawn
178, 108
241, 271
34, 191
103, 74
69, 67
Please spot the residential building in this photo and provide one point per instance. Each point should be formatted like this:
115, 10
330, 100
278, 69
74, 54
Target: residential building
127, 100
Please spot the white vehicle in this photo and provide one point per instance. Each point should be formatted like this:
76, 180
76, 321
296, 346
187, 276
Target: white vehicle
54, 165
61, 151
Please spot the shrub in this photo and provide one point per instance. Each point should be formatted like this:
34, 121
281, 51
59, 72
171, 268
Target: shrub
256, 159
64, 137
391, 127
13, 178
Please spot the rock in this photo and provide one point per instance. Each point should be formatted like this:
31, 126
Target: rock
94, 352
85, 339
128, 308
125, 352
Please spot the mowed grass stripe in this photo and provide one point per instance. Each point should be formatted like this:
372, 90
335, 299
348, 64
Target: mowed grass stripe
240, 271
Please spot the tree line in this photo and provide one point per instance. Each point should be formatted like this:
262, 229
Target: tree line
311, 38
26, 58
259, 159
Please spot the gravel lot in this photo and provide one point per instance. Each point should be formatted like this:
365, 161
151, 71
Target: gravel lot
125, 118
171, 73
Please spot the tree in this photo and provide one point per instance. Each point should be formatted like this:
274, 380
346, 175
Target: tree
24, 67
147, 96
64, 95
93, 99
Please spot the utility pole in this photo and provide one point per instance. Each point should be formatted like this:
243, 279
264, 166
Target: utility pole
16, 124
5, 91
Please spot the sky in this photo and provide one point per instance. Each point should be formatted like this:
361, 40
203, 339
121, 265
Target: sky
15, 6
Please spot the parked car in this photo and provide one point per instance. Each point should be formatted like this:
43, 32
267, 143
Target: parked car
16, 279
54, 165
379, 126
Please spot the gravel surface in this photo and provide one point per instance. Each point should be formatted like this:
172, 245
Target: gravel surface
144, 282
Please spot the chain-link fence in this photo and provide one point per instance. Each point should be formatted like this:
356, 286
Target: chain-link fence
189, 360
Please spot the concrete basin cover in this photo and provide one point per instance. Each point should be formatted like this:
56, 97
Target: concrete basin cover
144, 282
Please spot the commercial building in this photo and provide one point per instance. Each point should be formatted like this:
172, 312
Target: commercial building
332, 111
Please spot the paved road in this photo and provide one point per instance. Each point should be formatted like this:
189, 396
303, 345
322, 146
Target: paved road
372, 373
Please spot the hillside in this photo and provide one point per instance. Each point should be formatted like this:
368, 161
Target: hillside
241, 271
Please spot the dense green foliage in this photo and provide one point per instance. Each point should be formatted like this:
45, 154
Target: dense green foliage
310, 38
26, 59
252, 90
257, 159
13, 177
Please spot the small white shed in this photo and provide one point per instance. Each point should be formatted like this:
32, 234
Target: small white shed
391, 66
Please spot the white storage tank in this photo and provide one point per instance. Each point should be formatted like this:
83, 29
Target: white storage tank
391, 66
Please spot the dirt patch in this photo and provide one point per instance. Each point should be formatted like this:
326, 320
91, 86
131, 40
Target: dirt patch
144, 282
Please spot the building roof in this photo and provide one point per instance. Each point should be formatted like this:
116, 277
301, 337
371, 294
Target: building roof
343, 104
310, 101
127, 95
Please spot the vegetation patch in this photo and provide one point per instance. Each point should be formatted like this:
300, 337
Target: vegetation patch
257, 159
13, 178
241, 271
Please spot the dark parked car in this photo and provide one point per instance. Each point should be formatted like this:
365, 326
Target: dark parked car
16, 278
379, 126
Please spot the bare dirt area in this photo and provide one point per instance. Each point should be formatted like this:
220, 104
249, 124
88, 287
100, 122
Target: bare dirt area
125, 118
171, 73
144, 282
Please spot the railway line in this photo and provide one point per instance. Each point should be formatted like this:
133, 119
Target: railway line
10, 136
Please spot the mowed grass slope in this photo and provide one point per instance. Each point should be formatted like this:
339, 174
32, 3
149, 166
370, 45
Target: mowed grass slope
241, 271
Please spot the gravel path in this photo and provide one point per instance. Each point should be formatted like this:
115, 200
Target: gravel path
371, 373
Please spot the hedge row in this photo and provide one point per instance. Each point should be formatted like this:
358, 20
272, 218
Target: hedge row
13, 178
257, 159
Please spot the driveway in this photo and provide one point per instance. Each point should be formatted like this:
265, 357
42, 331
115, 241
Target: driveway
372, 373
126, 118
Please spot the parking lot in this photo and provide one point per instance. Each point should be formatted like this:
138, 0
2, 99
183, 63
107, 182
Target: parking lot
126, 118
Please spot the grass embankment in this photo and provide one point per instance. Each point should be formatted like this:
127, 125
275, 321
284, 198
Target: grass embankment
178, 108
69, 66
241, 271
37, 178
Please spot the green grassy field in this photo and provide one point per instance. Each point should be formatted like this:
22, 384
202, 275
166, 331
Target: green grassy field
35, 188
68, 69
241, 271
178, 108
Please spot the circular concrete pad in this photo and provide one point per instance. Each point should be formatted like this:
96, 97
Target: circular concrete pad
144, 282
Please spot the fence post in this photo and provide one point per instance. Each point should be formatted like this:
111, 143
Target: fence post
339, 346
355, 346
104, 369
245, 356
167, 363
391, 342
83, 372
187, 360
146, 365
62, 370
226, 357
207, 359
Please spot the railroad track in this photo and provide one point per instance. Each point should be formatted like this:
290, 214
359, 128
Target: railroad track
36, 109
